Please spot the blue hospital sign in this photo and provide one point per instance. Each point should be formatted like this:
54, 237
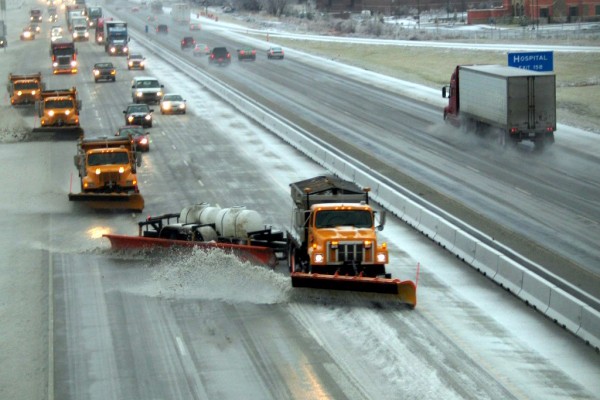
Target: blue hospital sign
541, 61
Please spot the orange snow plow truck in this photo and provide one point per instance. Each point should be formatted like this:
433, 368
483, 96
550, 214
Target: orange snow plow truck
107, 170
58, 110
25, 89
333, 242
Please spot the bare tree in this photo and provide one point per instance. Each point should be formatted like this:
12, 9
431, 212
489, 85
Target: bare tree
275, 7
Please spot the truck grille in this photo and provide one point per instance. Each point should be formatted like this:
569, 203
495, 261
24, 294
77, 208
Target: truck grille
109, 177
351, 252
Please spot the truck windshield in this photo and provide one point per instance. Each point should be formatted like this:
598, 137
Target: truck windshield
54, 104
118, 158
94, 12
333, 218
148, 84
26, 85
63, 51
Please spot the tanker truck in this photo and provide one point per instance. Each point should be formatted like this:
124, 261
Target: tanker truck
236, 230
508, 103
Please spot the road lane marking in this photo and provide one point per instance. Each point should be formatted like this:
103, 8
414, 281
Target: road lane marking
181, 346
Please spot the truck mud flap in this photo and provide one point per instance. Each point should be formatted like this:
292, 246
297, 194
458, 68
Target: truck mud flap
57, 132
405, 291
110, 201
253, 254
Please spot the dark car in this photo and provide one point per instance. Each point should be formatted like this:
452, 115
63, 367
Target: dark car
275, 52
187, 42
247, 54
162, 29
104, 71
138, 114
137, 134
136, 61
219, 55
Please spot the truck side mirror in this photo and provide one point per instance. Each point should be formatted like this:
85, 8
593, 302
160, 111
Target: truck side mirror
77, 161
382, 215
444, 92
79, 104
138, 158
39, 108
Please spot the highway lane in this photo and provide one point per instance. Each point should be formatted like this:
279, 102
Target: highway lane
190, 327
518, 198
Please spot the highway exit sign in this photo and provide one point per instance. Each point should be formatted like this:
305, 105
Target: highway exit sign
541, 61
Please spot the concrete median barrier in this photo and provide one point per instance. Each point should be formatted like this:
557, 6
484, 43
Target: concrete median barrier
589, 330
446, 235
486, 260
565, 310
428, 224
509, 275
464, 247
535, 291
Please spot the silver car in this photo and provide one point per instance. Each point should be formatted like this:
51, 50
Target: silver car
172, 103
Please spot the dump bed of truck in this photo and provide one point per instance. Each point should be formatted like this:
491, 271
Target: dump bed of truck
105, 142
24, 77
325, 189
72, 92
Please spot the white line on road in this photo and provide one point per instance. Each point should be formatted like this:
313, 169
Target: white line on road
181, 346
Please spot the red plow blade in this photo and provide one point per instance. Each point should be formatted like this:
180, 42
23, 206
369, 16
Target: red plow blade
406, 291
255, 254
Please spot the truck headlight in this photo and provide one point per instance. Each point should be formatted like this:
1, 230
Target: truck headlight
125, 49
74, 35
98, 171
139, 94
55, 64
121, 170
159, 93
19, 93
73, 63
368, 244
51, 113
67, 112
112, 49
130, 118
33, 92
381, 257
319, 258
148, 117
131, 63
87, 34
96, 72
